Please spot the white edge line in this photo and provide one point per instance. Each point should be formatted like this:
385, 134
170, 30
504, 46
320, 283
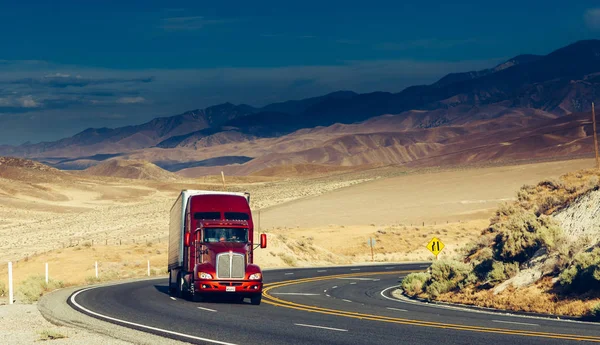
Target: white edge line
322, 271
516, 323
173, 298
396, 309
214, 311
322, 327
328, 295
289, 273
355, 269
139, 325
353, 283
480, 311
347, 300
335, 287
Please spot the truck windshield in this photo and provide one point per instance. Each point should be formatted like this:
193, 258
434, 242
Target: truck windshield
238, 235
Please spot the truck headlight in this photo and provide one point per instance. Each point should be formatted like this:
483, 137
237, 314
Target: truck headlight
255, 276
204, 275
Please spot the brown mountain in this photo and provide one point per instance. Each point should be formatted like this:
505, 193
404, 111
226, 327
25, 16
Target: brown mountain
560, 83
133, 169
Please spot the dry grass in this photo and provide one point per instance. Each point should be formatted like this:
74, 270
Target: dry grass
48, 334
31, 289
529, 299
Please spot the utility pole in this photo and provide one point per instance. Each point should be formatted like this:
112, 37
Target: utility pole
595, 137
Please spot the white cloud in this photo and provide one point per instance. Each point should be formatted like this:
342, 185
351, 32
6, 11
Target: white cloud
592, 19
131, 100
27, 102
12, 101
58, 75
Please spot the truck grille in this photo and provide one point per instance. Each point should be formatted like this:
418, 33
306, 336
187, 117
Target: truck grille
230, 265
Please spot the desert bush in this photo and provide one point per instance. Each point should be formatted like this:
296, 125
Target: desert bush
414, 283
87, 244
444, 270
551, 184
48, 334
521, 234
448, 275
583, 274
34, 287
288, 259
3, 290
501, 271
595, 311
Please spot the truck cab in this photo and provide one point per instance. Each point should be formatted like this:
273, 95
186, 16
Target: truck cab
217, 247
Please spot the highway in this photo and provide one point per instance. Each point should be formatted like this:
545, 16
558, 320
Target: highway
338, 305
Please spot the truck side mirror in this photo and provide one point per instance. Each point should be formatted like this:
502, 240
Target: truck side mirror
263, 241
187, 239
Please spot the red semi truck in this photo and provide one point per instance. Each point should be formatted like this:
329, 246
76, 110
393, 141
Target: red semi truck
211, 246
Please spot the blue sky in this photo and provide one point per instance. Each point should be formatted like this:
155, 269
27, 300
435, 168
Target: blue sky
69, 65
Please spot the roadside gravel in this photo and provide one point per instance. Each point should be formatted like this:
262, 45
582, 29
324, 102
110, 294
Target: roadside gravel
24, 324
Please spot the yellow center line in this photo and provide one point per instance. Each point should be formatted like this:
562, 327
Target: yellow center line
287, 304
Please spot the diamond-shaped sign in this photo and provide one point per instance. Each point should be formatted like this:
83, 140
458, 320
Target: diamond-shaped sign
435, 246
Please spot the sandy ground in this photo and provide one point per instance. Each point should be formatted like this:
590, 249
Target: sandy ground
460, 195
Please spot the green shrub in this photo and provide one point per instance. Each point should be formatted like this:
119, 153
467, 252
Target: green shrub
34, 287
501, 271
520, 235
414, 283
436, 288
448, 275
583, 274
449, 270
595, 311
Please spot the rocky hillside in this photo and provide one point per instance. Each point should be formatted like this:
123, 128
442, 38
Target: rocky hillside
540, 253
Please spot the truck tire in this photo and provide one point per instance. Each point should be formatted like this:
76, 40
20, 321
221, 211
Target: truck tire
255, 299
180, 282
171, 289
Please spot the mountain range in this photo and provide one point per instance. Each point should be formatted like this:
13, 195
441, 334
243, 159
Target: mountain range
527, 95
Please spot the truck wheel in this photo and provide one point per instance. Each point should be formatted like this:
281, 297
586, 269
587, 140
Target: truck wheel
180, 282
255, 299
171, 285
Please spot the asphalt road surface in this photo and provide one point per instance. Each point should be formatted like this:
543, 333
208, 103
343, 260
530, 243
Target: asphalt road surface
338, 305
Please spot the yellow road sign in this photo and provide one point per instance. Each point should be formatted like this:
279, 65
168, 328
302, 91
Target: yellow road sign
435, 246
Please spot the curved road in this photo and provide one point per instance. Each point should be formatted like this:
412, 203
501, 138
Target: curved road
341, 305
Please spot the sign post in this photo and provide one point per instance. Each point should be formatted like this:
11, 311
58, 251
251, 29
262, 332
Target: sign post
10, 283
435, 246
372, 244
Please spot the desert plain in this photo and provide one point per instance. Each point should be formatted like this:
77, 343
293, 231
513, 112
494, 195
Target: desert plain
71, 220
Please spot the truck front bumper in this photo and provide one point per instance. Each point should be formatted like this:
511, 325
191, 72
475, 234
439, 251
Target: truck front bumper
229, 286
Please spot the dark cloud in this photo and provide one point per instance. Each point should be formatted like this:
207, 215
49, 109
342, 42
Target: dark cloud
59, 80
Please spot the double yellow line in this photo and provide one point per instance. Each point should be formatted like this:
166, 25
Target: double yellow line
269, 299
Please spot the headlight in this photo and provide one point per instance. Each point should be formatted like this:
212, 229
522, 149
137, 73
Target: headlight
204, 275
255, 276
